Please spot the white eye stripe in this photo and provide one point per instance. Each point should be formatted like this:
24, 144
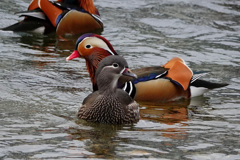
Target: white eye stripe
98, 43
122, 70
111, 66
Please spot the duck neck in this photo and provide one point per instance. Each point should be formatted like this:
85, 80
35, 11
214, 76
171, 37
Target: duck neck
107, 84
91, 70
92, 62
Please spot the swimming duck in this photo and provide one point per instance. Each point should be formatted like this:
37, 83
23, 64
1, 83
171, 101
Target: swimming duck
172, 81
62, 16
109, 104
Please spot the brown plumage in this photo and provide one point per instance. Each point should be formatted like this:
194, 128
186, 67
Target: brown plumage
109, 104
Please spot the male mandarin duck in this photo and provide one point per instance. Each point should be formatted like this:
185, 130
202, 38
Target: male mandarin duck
172, 81
109, 104
62, 16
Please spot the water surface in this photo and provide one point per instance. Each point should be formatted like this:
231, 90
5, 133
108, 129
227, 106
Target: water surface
41, 92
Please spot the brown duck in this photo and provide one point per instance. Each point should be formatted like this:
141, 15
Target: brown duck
109, 104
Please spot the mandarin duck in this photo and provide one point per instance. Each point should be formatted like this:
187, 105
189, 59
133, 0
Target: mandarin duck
172, 81
62, 16
109, 104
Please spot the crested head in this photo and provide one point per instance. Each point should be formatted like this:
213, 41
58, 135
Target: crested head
90, 40
93, 48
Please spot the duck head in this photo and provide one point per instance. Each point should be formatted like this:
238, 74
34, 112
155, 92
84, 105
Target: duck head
109, 70
93, 48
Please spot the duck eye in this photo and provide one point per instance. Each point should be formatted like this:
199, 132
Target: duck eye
88, 46
115, 65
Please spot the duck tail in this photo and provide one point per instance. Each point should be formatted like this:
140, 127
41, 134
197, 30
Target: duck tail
207, 84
